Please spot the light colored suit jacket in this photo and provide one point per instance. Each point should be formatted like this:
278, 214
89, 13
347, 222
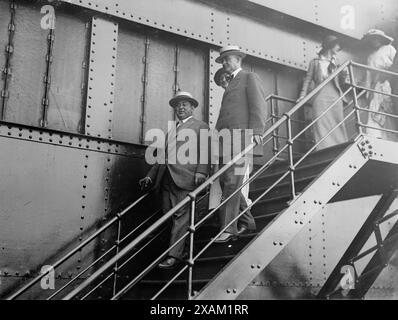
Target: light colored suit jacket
314, 78
183, 174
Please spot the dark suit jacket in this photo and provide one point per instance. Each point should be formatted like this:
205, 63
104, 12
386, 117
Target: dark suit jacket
184, 174
243, 104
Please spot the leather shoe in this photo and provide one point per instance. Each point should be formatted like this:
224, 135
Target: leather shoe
243, 230
225, 237
168, 263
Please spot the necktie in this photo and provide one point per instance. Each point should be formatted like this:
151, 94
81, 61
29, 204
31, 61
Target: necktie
171, 138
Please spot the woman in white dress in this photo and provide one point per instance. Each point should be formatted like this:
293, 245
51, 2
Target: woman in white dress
319, 69
382, 58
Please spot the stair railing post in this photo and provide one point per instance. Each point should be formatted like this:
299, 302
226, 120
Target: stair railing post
379, 241
275, 144
117, 243
356, 104
290, 151
191, 229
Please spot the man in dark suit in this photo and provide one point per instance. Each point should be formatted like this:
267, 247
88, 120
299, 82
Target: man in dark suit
175, 177
243, 107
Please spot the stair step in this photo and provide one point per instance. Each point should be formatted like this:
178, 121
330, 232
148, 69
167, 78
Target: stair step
206, 267
314, 157
274, 204
266, 179
283, 188
208, 231
313, 160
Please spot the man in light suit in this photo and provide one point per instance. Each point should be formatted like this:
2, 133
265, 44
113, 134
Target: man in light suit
177, 180
243, 107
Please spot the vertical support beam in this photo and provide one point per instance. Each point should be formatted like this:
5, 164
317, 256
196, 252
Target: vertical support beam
116, 269
290, 151
144, 81
215, 98
356, 104
47, 78
275, 112
84, 78
215, 92
275, 146
101, 78
191, 244
176, 86
4, 94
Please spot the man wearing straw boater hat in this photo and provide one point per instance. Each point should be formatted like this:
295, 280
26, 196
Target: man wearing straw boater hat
176, 179
243, 108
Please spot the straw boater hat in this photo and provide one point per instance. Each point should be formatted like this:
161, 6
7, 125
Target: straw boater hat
183, 95
217, 76
374, 33
228, 50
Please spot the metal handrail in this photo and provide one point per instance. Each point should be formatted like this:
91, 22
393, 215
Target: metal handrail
364, 66
286, 118
282, 177
281, 98
376, 91
198, 225
192, 196
115, 219
115, 246
91, 238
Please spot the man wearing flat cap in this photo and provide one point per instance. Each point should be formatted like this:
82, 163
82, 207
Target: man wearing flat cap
243, 108
175, 179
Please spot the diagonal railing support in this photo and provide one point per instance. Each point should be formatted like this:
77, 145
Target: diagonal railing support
357, 243
376, 265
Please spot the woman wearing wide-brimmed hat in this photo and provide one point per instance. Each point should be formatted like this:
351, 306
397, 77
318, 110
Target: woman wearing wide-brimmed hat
376, 38
382, 57
319, 69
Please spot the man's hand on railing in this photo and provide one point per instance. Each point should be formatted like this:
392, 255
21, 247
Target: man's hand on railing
258, 139
199, 178
214, 169
145, 183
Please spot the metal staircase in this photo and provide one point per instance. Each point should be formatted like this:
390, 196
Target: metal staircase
286, 195
219, 255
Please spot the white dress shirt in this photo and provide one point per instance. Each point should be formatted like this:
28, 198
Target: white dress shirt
236, 72
183, 121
